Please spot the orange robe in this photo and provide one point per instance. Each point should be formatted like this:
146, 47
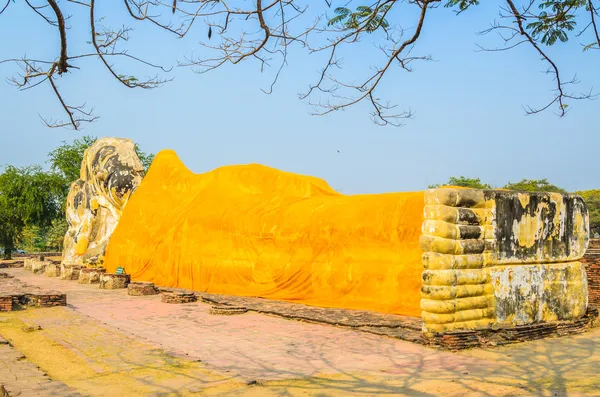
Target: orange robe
256, 231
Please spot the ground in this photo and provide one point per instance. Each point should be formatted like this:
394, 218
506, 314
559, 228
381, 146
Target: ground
106, 343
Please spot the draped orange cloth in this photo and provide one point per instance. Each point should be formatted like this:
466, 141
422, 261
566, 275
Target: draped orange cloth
256, 231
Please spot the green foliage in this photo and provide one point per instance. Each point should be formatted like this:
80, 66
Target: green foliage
55, 234
463, 5
145, 158
555, 20
31, 239
364, 17
66, 159
28, 196
474, 183
532, 185
592, 200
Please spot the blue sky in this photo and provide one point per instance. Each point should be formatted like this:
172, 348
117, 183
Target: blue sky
468, 104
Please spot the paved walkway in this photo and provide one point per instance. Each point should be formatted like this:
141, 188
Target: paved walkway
19, 377
111, 331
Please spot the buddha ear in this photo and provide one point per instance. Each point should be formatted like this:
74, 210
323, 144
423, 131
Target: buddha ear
101, 175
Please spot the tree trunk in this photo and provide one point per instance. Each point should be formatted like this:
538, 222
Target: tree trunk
8, 247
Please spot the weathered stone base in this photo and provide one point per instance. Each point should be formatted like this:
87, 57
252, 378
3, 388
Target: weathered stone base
27, 263
52, 269
90, 275
38, 267
114, 281
458, 340
178, 297
69, 272
141, 288
224, 310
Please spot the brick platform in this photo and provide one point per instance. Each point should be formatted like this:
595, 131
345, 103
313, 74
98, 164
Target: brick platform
178, 297
114, 281
141, 288
15, 294
459, 340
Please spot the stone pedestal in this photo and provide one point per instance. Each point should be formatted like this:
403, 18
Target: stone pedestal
90, 275
178, 297
38, 267
140, 288
28, 263
70, 272
52, 269
114, 281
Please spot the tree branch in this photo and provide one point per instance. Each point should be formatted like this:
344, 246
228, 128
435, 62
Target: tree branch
61, 64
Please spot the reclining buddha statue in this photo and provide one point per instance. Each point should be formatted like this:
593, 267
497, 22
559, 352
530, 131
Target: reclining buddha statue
458, 258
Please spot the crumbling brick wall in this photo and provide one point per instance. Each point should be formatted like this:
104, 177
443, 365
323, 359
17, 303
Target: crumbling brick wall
591, 260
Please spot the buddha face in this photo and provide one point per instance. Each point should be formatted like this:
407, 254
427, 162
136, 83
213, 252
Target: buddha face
117, 171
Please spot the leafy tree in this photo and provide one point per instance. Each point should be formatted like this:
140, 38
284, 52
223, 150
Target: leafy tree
267, 31
532, 185
67, 158
28, 196
32, 239
474, 183
592, 200
55, 234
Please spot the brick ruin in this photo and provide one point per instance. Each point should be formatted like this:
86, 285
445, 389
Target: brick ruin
591, 260
15, 295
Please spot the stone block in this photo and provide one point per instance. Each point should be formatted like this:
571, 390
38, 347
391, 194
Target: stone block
52, 269
178, 297
114, 281
70, 272
38, 267
90, 275
141, 288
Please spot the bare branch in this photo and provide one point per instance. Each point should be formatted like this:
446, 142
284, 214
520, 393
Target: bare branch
400, 52
5, 6
593, 13
62, 60
111, 38
560, 95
